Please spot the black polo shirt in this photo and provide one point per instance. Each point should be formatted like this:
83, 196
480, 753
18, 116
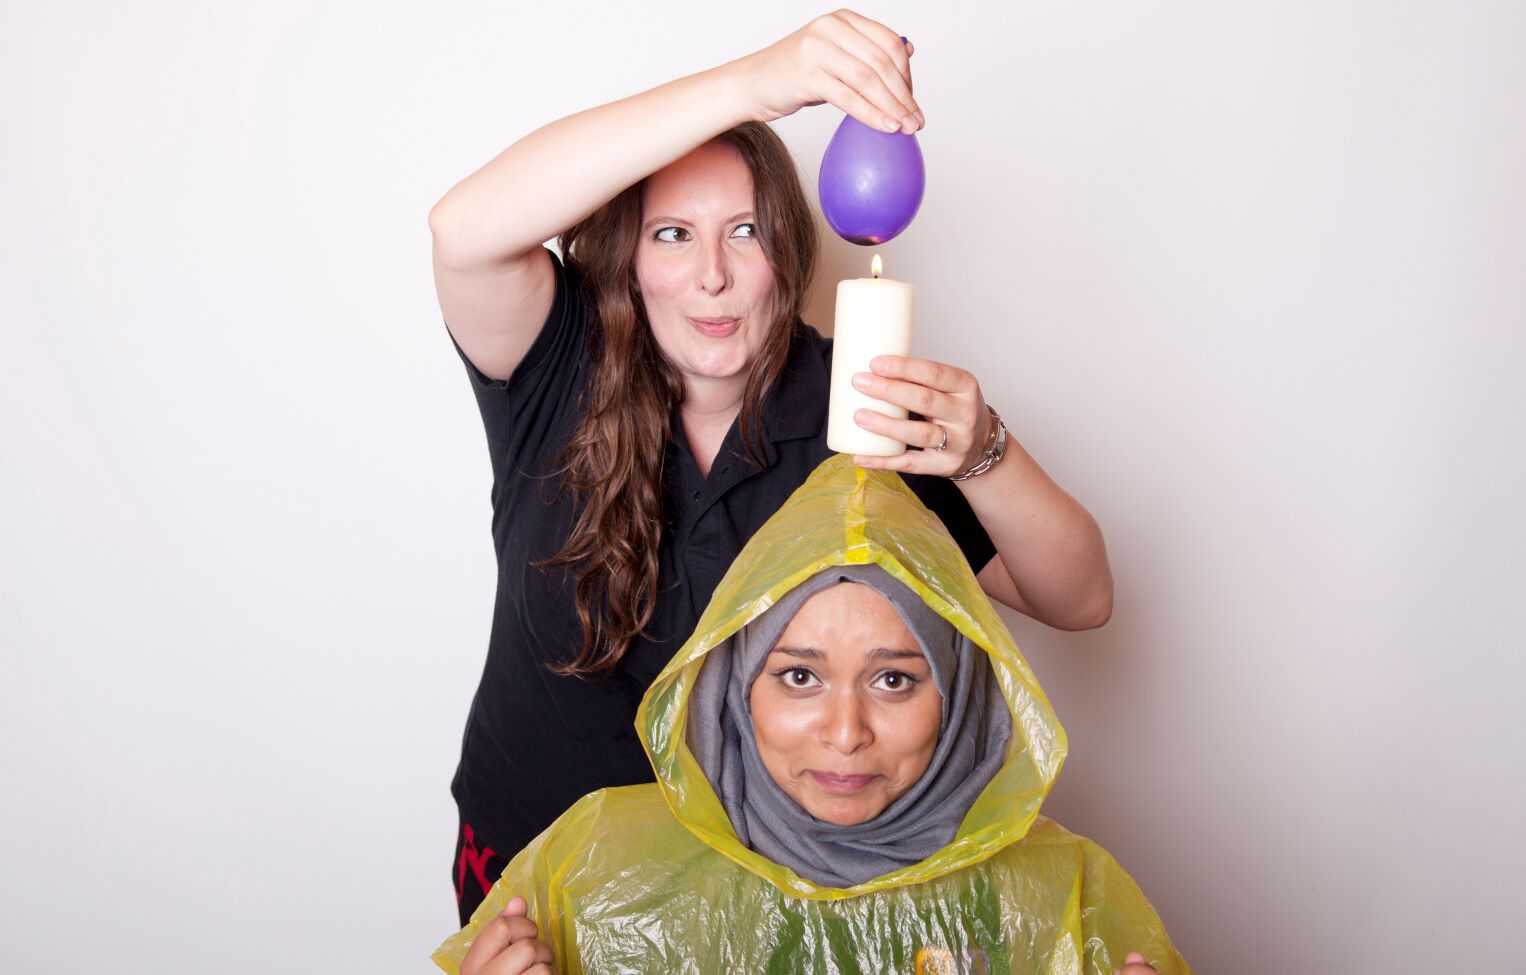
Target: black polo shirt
536, 742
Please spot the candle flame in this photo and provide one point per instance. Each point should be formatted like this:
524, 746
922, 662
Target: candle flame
876, 266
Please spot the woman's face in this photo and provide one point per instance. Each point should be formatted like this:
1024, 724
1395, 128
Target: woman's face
702, 272
845, 709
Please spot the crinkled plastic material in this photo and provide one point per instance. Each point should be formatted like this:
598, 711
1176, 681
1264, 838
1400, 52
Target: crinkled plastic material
651, 878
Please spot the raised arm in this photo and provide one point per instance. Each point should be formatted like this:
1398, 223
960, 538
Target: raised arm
494, 283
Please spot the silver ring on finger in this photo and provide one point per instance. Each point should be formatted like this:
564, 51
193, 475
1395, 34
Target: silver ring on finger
945, 439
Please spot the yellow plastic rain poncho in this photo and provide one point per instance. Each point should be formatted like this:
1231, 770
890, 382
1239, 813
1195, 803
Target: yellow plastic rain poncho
651, 878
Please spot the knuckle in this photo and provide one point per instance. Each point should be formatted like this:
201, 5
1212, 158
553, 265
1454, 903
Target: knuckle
924, 400
518, 955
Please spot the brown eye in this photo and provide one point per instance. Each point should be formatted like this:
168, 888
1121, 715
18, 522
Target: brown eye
796, 678
896, 681
674, 230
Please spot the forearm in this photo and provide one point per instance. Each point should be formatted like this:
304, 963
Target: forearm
1049, 545
562, 172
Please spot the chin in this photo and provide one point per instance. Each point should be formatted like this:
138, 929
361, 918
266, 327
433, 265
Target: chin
722, 366
845, 814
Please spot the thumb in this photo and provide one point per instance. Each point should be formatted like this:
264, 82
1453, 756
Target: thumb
1135, 958
516, 907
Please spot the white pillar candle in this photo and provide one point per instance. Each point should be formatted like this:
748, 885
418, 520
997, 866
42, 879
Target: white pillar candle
873, 318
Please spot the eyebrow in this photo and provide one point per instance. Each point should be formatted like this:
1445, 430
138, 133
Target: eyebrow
656, 220
880, 653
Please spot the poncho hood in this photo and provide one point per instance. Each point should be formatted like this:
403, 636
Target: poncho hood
844, 515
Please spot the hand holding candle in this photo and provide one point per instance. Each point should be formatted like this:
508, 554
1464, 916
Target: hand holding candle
875, 385
955, 424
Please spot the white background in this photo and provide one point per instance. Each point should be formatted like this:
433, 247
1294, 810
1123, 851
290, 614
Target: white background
1246, 278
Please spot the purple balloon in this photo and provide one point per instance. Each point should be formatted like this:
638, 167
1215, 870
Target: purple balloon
871, 182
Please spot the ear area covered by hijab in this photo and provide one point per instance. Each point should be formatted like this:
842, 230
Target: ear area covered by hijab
845, 516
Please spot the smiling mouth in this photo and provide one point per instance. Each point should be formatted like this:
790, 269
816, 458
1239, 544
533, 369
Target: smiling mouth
716, 327
846, 784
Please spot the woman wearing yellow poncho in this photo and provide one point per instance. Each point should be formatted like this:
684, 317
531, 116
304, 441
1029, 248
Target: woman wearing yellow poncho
746, 857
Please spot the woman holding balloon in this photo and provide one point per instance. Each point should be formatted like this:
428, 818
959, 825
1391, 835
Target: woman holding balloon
652, 397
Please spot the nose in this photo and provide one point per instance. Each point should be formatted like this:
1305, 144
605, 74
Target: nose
713, 273
845, 726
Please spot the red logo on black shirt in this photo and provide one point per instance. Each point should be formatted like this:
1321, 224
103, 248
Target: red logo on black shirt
471, 858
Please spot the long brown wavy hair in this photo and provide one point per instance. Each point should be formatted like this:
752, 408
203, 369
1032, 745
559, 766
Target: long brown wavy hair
613, 465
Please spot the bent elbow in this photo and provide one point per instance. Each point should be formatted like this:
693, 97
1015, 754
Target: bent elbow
442, 226
1102, 613
451, 236
1096, 613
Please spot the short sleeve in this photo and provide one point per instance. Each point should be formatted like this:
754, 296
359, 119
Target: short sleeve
946, 501
533, 405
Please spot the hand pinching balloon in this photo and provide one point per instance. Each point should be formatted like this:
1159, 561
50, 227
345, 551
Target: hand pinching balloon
871, 182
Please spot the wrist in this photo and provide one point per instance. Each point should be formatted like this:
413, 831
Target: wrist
983, 442
992, 449
736, 81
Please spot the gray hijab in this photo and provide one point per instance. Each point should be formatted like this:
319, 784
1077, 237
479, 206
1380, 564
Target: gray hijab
971, 747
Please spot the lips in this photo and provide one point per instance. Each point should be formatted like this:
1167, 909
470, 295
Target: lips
716, 327
845, 784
